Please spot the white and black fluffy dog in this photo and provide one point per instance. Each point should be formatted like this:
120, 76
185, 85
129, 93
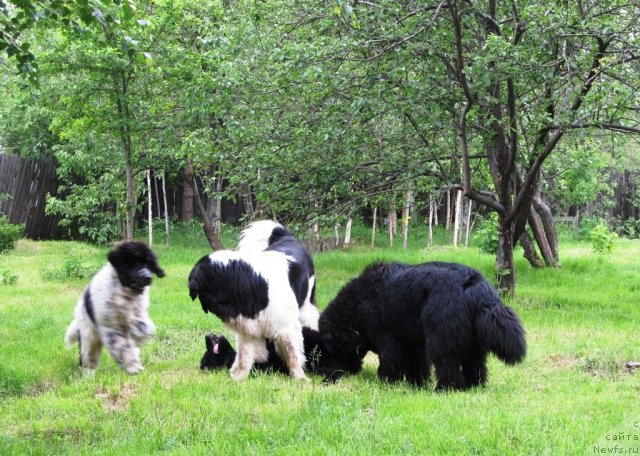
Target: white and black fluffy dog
113, 310
262, 291
267, 235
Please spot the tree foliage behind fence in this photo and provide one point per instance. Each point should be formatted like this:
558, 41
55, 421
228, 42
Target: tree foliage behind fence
24, 185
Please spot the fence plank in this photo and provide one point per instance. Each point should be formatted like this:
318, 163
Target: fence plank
28, 182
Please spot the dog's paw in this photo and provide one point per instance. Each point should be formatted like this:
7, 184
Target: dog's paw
299, 374
239, 375
234, 368
133, 369
88, 372
143, 329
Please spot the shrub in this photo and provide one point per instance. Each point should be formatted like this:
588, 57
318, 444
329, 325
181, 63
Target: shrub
71, 268
486, 236
7, 277
602, 238
9, 234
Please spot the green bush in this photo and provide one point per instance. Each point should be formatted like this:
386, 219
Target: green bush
70, 269
8, 278
602, 238
486, 236
9, 234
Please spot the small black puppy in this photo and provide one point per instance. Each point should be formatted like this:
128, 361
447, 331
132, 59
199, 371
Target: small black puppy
221, 354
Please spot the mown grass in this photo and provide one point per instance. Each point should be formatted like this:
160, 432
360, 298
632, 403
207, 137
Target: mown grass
571, 394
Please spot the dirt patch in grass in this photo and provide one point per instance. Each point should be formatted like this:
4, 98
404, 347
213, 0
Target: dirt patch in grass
562, 362
52, 435
40, 388
596, 367
116, 401
604, 368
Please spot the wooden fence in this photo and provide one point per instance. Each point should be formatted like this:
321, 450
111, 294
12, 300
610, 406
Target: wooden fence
24, 185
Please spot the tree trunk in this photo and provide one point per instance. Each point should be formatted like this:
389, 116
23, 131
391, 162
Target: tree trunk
217, 214
187, 194
149, 208
457, 223
530, 252
247, 202
468, 223
166, 209
347, 233
447, 220
505, 268
373, 226
432, 211
131, 200
549, 226
212, 236
120, 86
156, 192
541, 239
406, 210
393, 221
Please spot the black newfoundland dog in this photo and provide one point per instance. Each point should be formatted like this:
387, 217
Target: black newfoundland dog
444, 314
113, 309
220, 354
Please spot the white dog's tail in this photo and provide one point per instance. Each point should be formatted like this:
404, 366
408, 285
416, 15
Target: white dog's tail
256, 236
71, 337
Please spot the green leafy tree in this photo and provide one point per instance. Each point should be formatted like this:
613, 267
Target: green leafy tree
99, 99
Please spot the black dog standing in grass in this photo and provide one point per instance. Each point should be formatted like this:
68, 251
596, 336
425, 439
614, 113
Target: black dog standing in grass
445, 314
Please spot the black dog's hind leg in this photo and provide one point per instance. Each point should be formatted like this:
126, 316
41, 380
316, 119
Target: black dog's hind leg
449, 374
394, 360
474, 369
418, 370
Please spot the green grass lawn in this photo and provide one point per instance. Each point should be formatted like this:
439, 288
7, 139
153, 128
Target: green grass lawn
572, 395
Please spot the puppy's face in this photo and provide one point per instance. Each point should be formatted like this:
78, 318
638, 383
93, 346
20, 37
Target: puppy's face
219, 353
135, 263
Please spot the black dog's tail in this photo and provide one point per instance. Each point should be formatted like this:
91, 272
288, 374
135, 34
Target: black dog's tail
499, 330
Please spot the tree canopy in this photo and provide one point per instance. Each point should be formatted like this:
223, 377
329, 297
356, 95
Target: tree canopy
320, 109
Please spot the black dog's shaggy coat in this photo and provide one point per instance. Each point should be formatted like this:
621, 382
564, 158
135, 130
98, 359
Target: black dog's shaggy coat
220, 354
444, 314
113, 309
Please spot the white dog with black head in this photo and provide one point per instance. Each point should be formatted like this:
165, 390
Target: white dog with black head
113, 309
263, 291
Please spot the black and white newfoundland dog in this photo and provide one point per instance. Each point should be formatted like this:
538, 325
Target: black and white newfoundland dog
444, 314
267, 235
113, 309
262, 291
220, 354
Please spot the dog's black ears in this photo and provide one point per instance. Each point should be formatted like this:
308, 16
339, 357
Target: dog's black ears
115, 258
208, 340
127, 251
156, 269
